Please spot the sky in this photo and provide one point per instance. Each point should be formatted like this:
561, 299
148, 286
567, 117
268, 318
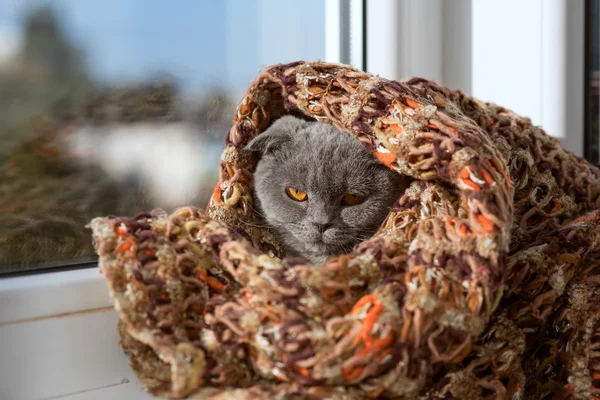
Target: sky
222, 43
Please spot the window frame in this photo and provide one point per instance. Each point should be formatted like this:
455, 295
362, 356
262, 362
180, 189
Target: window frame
346, 32
413, 48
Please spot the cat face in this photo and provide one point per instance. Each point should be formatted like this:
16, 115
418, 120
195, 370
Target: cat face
320, 190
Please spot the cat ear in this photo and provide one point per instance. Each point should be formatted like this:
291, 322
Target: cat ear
273, 138
268, 142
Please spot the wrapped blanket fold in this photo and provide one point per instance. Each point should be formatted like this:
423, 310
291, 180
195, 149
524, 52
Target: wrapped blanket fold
482, 283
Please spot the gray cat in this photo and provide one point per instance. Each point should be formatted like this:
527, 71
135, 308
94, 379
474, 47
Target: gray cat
320, 190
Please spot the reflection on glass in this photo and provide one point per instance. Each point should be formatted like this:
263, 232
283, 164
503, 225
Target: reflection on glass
120, 106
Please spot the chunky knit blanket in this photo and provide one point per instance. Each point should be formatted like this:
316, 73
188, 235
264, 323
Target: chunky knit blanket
482, 283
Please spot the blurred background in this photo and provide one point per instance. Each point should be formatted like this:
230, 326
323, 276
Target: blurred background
119, 106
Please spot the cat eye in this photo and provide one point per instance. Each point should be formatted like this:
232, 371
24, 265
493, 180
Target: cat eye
352, 199
295, 194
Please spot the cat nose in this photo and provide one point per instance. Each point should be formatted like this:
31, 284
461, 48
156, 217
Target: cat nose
322, 227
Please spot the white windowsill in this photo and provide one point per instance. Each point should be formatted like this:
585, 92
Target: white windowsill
53, 293
58, 340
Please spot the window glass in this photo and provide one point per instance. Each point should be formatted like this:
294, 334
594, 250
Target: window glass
118, 106
592, 110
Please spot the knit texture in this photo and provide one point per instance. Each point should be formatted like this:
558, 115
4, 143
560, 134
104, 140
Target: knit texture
482, 283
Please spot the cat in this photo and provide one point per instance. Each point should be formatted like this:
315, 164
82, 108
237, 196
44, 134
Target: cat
319, 190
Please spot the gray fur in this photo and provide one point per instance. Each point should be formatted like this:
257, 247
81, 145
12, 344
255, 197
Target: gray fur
316, 158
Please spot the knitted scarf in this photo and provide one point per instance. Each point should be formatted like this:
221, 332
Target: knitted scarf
482, 283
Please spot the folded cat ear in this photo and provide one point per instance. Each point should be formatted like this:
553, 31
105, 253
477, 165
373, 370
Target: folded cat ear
274, 138
268, 142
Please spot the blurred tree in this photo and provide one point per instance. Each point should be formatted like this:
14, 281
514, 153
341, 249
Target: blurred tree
46, 51
47, 194
48, 76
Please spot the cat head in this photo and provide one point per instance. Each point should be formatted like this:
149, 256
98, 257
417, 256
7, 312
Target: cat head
319, 189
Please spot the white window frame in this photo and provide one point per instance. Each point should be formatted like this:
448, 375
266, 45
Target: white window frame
454, 42
344, 32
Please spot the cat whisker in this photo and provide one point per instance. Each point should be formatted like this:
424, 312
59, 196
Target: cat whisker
363, 238
365, 229
257, 212
255, 225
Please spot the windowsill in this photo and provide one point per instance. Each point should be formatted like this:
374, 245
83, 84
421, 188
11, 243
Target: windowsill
58, 339
49, 294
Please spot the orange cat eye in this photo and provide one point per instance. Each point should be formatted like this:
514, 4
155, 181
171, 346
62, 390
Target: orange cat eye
295, 194
352, 199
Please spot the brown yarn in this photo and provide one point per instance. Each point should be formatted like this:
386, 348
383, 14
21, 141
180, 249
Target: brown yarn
482, 283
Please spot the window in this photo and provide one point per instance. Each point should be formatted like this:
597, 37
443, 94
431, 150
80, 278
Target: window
119, 106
